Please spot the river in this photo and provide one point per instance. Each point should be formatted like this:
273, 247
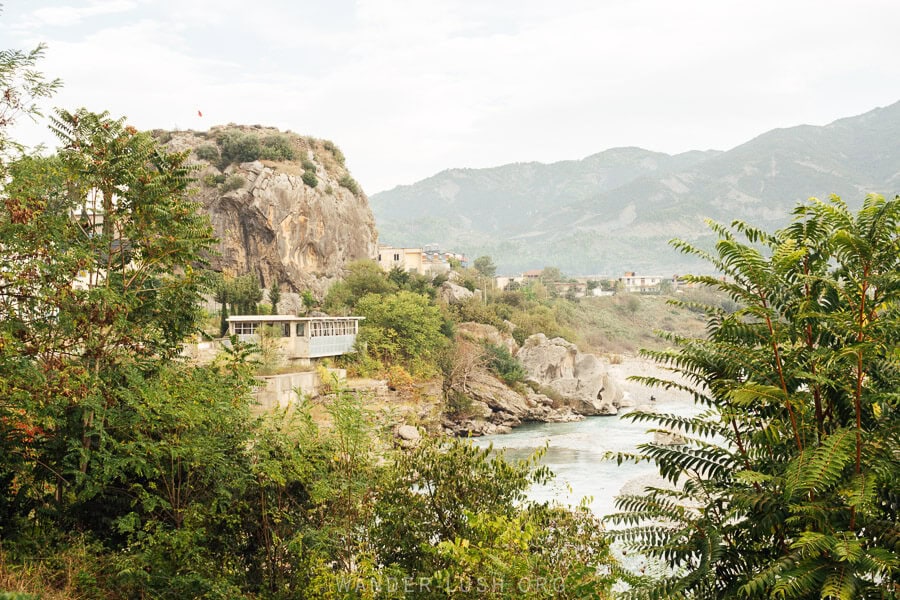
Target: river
575, 454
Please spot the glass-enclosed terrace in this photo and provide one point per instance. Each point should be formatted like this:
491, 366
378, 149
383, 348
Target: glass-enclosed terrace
301, 337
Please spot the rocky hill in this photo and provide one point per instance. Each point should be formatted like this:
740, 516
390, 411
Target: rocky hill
617, 210
283, 206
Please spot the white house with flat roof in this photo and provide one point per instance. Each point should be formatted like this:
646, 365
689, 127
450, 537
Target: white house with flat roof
301, 338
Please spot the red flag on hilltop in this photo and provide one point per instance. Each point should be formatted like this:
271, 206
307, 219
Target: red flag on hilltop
199, 114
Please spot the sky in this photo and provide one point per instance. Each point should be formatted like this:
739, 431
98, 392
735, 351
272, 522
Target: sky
408, 88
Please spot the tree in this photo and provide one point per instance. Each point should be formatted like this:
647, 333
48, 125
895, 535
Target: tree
99, 287
551, 274
402, 327
458, 516
274, 296
21, 87
632, 304
485, 266
786, 486
363, 277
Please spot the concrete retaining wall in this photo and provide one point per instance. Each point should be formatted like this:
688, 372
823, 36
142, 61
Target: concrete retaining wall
280, 390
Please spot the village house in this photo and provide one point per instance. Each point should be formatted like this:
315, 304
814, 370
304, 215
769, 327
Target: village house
427, 261
641, 284
408, 259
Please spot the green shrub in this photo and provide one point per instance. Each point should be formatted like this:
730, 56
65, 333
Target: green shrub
237, 146
207, 152
213, 179
277, 146
335, 152
458, 405
348, 182
163, 137
310, 179
235, 182
504, 364
307, 164
472, 309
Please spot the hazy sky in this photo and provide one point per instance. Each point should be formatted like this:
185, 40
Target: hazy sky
409, 88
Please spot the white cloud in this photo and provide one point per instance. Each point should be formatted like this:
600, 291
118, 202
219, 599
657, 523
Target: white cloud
69, 16
408, 88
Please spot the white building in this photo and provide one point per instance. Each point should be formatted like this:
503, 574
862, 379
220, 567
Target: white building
301, 338
640, 284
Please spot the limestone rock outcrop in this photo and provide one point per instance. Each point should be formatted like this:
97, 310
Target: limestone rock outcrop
452, 293
581, 380
271, 221
488, 333
492, 407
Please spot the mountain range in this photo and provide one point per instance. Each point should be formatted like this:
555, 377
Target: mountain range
617, 210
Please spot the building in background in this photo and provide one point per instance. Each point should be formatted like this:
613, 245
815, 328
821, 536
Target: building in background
428, 260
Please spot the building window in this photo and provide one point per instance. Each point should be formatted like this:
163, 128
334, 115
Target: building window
242, 328
396, 257
300, 330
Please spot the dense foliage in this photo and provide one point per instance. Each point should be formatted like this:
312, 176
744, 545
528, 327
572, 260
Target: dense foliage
126, 472
403, 325
786, 486
236, 146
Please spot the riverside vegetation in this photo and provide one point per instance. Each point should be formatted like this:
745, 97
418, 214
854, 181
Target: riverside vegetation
128, 473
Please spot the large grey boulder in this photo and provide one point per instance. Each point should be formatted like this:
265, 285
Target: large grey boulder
451, 293
580, 379
408, 436
495, 408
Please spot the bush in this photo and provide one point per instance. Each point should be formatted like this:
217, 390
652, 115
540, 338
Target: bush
277, 147
235, 182
163, 137
310, 179
213, 179
458, 405
472, 309
504, 364
399, 378
238, 146
335, 152
348, 182
401, 327
207, 152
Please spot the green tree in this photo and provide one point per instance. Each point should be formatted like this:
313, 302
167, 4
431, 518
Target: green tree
786, 486
21, 87
551, 274
244, 293
274, 296
459, 517
485, 266
363, 277
632, 304
402, 327
99, 288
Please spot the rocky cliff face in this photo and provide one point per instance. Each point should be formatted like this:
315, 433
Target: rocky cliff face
297, 221
580, 379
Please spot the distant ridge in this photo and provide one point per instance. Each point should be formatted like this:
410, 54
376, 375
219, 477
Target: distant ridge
617, 210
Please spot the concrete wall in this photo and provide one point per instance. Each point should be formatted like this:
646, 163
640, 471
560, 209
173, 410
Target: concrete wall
281, 390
